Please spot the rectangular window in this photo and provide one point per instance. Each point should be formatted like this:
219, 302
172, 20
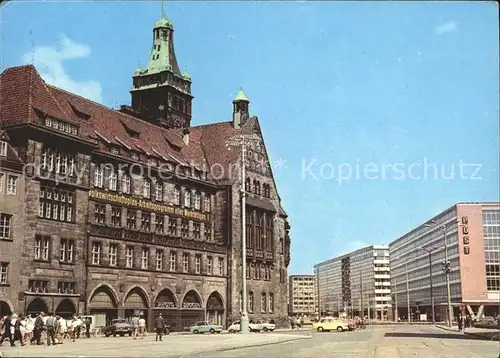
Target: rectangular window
56, 204
66, 250
42, 248
96, 253
38, 286
146, 189
129, 257
2, 183
206, 203
185, 228
59, 162
116, 216
185, 262
3, 148
66, 287
159, 223
5, 225
12, 185
113, 254
131, 219
196, 230
4, 272
99, 213
159, 191
197, 264
208, 232
113, 181
145, 221
197, 201
159, 260
172, 261
172, 227
221, 266
125, 183
98, 177
210, 265
145, 259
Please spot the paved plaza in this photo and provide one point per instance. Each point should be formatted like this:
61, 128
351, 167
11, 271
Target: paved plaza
377, 342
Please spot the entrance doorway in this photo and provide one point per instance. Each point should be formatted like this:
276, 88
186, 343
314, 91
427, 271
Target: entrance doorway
136, 303
166, 305
191, 310
4, 309
215, 309
103, 301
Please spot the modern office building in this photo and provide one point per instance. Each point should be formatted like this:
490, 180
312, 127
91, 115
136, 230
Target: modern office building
472, 235
135, 210
355, 283
302, 295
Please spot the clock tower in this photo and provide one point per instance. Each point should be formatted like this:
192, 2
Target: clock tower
161, 93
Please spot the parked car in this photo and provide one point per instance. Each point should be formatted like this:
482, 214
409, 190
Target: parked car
265, 326
205, 327
486, 322
235, 327
119, 327
331, 324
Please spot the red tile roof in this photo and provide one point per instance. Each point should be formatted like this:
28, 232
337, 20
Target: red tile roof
23, 91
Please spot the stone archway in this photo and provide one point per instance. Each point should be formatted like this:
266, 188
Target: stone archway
5, 309
215, 308
36, 306
166, 304
66, 309
191, 309
136, 303
103, 302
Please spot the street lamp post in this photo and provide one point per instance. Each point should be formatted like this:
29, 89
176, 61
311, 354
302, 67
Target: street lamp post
429, 252
446, 268
241, 141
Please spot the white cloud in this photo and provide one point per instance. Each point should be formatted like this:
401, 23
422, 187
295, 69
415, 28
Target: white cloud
450, 26
49, 62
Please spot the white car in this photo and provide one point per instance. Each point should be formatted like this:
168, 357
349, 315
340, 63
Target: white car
265, 326
235, 327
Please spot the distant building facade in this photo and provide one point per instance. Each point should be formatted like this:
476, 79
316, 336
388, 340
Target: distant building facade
302, 295
472, 232
356, 284
120, 212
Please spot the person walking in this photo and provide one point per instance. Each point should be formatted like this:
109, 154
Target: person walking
51, 327
18, 335
7, 331
160, 327
142, 327
135, 325
38, 328
460, 321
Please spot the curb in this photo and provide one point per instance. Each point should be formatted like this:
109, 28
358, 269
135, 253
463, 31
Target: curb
494, 337
449, 329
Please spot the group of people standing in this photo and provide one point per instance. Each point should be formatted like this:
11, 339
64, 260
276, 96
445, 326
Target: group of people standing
18, 328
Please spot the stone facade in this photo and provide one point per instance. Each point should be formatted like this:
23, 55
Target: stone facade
120, 216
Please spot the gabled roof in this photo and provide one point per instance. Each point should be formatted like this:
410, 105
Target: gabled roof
22, 93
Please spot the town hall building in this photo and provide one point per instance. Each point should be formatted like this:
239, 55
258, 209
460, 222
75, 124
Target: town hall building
136, 210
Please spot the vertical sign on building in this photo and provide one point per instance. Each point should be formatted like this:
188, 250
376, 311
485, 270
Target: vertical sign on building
465, 233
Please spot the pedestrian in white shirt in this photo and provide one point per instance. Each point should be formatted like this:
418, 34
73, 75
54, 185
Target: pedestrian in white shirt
142, 327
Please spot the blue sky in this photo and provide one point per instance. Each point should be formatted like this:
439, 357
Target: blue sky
339, 85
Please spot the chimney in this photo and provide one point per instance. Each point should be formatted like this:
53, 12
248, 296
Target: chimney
185, 137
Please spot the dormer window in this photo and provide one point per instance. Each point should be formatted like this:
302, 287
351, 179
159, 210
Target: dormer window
135, 156
3, 148
114, 150
98, 177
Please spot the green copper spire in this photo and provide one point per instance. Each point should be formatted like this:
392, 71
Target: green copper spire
241, 96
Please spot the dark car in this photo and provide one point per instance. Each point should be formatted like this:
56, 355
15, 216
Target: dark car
486, 322
118, 327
